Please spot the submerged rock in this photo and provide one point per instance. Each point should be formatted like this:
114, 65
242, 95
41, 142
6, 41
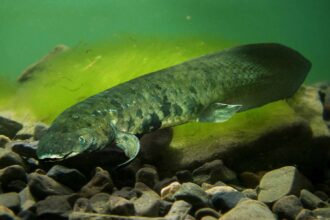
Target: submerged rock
9, 127
287, 207
192, 194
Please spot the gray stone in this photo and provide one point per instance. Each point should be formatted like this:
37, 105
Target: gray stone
25, 148
99, 203
10, 174
125, 192
10, 200
26, 132
42, 186
249, 209
322, 212
147, 175
311, 201
322, 195
121, 206
148, 204
168, 192
4, 140
249, 179
82, 205
7, 214
26, 199
39, 130
306, 214
27, 215
281, 182
53, 207
287, 207
7, 158
250, 193
101, 182
193, 194
97, 216
179, 210
184, 176
165, 207
226, 199
163, 183
72, 178
9, 127
203, 212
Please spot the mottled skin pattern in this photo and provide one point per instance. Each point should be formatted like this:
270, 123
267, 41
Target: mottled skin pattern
251, 76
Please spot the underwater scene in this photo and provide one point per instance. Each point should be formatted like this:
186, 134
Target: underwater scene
164, 109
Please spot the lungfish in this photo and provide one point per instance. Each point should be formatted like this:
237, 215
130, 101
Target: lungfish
211, 88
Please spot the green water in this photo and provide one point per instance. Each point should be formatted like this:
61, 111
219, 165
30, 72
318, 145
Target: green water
30, 28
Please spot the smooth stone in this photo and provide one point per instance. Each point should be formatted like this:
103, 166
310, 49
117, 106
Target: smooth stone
249, 179
8, 158
147, 175
281, 182
42, 186
15, 186
53, 207
322, 195
11, 200
125, 192
7, 214
287, 207
101, 182
311, 201
4, 140
26, 199
322, 212
226, 199
219, 189
203, 212
163, 183
250, 193
82, 205
72, 178
39, 130
97, 216
165, 207
27, 215
99, 203
193, 194
148, 204
184, 176
305, 214
121, 206
9, 127
25, 148
10, 174
26, 132
249, 209
168, 192
179, 210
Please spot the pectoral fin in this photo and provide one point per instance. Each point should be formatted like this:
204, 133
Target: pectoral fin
130, 144
218, 112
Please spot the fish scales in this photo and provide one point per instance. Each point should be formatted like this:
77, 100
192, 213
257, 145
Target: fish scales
210, 88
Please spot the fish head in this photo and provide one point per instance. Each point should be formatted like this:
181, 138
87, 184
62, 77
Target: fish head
62, 141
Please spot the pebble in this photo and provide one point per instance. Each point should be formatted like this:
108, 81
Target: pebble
204, 212
82, 205
7, 214
27, 215
163, 183
125, 192
184, 176
8, 158
281, 182
322, 195
42, 186
53, 207
72, 178
26, 199
249, 179
39, 130
147, 175
165, 206
25, 148
121, 206
168, 192
25, 133
311, 201
226, 199
322, 212
4, 140
287, 207
9, 127
11, 200
148, 203
193, 194
250, 193
305, 214
249, 209
179, 210
10, 175
101, 182
99, 203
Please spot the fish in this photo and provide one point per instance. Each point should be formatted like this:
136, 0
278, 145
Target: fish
211, 89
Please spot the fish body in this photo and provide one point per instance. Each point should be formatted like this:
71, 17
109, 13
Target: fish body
211, 88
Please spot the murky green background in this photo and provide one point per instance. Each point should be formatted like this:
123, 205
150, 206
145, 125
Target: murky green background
30, 28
